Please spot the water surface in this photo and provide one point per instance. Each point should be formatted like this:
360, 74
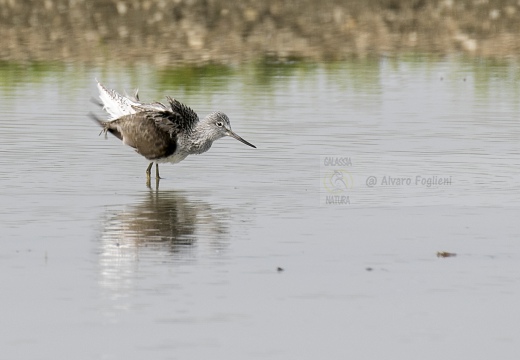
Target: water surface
97, 265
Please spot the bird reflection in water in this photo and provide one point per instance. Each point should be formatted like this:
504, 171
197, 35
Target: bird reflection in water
164, 226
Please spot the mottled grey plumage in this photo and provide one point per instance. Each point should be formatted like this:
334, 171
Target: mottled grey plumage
162, 133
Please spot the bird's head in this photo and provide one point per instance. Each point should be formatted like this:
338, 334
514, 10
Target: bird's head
218, 126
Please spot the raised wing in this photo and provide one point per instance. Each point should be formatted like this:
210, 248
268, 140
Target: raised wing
115, 104
175, 119
179, 118
167, 121
184, 116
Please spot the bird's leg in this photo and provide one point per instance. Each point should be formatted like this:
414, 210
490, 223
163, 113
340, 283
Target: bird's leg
157, 172
149, 171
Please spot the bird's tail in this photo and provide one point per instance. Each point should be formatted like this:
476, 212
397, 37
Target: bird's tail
104, 124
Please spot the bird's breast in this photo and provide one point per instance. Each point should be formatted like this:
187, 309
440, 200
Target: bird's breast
175, 158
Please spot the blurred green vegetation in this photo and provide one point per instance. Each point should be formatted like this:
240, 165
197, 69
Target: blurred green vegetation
359, 74
12, 73
190, 78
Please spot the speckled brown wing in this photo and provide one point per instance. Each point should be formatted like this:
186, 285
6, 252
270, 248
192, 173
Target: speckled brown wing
167, 121
152, 134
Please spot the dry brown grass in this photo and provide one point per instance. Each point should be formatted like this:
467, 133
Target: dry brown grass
199, 31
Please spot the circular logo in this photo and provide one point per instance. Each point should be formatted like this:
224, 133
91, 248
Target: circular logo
337, 181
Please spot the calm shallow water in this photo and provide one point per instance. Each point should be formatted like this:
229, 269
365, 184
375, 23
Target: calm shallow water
97, 265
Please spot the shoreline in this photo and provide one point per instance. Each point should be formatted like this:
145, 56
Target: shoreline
200, 32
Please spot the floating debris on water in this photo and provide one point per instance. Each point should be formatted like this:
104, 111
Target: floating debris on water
445, 254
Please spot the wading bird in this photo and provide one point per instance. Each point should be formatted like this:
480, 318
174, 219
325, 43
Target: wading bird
161, 133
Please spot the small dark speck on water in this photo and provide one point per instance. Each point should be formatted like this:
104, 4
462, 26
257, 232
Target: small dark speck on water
279, 269
369, 269
445, 254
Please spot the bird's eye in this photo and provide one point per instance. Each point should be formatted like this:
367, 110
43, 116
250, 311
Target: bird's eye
219, 124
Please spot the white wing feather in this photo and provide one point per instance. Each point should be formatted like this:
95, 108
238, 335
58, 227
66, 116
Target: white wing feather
117, 105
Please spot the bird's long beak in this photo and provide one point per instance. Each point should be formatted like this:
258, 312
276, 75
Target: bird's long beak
232, 134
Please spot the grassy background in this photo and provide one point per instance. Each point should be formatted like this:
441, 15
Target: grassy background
226, 32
